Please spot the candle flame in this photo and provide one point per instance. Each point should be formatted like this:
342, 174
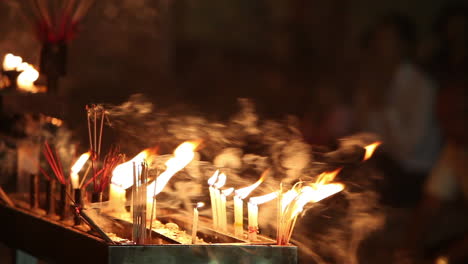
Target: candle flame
212, 179
200, 204
80, 162
370, 150
221, 181
244, 192
288, 197
10, 62
27, 78
228, 191
264, 198
122, 175
183, 155
327, 177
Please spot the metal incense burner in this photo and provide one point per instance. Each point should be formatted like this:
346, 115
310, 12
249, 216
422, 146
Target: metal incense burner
55, 242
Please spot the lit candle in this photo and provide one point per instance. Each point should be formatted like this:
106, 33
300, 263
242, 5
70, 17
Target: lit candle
241, 194
211, 182
223, 215
217, 194
117, 198
10, 62
75, 169
253, 220
253, 212
195, 222
238, 216
27, 77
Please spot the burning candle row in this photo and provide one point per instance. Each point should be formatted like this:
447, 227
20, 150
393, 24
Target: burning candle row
25, 72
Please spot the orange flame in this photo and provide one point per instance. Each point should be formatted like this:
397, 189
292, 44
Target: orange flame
221, 181
80, 162
264, 198
183, 155
228, 191
123, 173
244, 192
370, 150
212, 179
327, 176
10, 62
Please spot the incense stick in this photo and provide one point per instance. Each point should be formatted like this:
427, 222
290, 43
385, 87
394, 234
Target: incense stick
6, 198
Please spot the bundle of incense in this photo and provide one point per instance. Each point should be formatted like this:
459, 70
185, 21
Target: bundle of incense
140, 178
5, 197
34, 191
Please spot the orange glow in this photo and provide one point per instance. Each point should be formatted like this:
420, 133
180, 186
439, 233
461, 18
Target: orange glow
27, 78
370, 150
183, 155
244, 192
200, 204
287, 198
327, 177
264, 198
123, 173
212, 179
80, 162
228, 191
221, 181
10, 62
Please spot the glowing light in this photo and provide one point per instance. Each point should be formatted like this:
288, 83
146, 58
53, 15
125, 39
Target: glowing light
221, 181
123, 174
264, 198
228, 191
200, 204
80, 162
212, 179
183, 155
27, 78
370, 150
10, 62
244, 192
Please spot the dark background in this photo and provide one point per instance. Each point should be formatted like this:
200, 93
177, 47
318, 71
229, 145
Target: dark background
206, 53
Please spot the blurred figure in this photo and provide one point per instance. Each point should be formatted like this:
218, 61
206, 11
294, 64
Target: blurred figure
448, 181
395, 100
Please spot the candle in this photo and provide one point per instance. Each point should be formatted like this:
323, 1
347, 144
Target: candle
195, 222
80, 162
217, 195
238, 216
223, 215
253, 221
117, 198
211, 182
238, 204
27, 78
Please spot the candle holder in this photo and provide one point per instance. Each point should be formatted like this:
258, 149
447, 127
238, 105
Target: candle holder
64, 202
12, 76
50, 196
34, 191
53, 64
78, 197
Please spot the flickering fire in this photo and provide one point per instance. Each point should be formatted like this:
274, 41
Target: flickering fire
27, 78
264, 198
80, 162
244, 192
228, 191
370, 150
212, 179
123, 173
10, 62
183, 155
221, 181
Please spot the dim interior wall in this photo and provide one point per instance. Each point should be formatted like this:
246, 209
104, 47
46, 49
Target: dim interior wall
215, 50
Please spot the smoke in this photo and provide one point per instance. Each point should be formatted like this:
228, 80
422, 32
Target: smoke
245, 146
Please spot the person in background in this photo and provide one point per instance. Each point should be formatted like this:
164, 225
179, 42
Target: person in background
446, 189
395, 99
